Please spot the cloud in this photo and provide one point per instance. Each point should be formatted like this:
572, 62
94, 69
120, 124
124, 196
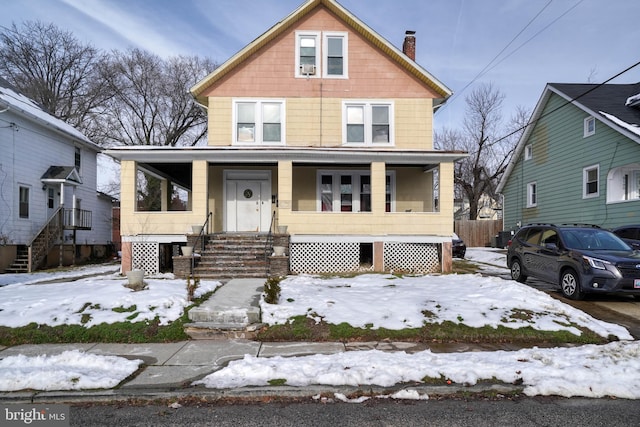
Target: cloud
129, 25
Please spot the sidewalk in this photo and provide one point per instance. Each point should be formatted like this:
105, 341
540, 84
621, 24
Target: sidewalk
169, 369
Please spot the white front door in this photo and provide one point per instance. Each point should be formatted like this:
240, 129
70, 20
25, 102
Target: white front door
248, 205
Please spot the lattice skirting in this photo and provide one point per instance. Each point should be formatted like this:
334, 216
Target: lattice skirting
417, 258
335, 257
145, 255
324, 257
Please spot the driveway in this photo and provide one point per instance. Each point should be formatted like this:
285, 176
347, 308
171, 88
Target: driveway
618, 309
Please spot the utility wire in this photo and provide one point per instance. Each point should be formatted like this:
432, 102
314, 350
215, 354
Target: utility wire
567, 102
489, 67
486, 68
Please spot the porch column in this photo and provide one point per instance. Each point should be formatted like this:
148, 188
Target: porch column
378, 202
285, 192
199, 196
165, 195
378, 187
446, 211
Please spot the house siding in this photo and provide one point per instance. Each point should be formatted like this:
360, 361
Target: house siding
560, 153
27, 153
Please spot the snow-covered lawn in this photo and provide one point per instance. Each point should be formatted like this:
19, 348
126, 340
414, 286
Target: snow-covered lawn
391, 302
365, 301
100, 298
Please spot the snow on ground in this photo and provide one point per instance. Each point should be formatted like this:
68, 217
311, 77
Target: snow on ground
92, 300
392, 302
366, 301
589, 370
71, 370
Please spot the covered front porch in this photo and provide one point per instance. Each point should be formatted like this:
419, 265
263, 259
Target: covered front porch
344, 209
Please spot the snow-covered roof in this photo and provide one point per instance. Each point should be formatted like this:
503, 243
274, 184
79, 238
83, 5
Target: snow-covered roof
22, 105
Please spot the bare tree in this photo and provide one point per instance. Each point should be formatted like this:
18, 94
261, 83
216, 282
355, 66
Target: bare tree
151, 104
480, 136
52, 67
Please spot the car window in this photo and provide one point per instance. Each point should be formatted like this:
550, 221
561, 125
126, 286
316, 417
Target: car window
593, 239
628, 233
533, 237
549, 237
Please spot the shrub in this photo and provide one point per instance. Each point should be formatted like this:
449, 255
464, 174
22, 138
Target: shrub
272, 290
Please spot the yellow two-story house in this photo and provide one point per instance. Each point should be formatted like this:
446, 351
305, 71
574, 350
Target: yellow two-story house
319, 125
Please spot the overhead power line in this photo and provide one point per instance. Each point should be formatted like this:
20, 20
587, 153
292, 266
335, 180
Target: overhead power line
490, 67
567, 102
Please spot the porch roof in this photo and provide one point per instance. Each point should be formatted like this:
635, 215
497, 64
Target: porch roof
271, 155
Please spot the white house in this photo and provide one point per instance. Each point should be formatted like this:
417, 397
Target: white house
50, 211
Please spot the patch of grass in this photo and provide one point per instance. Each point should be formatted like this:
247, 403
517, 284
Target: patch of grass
125, 310
462, 266
303, 328
120, 332
277, 381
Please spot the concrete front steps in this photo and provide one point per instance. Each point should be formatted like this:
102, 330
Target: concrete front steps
233, 255
232, 312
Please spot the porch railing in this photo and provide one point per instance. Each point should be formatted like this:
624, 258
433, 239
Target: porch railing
200, 239
45, 239
268, 246
77, 219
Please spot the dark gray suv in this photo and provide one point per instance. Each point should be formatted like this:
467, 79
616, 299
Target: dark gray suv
579, 258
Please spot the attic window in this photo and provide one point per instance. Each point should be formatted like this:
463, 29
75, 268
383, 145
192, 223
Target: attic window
307, 54
528, 152
589, 126
335, 54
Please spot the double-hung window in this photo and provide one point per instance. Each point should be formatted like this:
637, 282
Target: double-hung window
590, 179
335, 55
259, 122
321, 54
349, 191
23, 209
368, 123
307, 53
532, 195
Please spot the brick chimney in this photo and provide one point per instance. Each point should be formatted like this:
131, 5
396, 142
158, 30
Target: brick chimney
409, 45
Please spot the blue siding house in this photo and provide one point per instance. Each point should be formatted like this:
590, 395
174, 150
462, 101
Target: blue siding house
579, 159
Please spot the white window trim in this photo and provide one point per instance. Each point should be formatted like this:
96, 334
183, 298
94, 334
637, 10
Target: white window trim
325, 55
258, 115
616, 190
530, 186
317, 36
585, 173
587, 121
368, 138
528, 152
336, 173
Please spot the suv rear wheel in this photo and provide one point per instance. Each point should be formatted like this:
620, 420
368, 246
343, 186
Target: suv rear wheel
516, 271
570, 285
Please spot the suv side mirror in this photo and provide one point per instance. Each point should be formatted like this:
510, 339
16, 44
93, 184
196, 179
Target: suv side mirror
551, 246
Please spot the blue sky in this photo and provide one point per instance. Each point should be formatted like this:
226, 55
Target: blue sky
518, 45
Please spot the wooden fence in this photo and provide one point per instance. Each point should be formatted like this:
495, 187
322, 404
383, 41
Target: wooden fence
478, 233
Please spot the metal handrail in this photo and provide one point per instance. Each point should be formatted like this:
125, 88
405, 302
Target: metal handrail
269, 243
195, 243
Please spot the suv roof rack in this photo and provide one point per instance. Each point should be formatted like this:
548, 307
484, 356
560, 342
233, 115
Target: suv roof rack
580, 225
